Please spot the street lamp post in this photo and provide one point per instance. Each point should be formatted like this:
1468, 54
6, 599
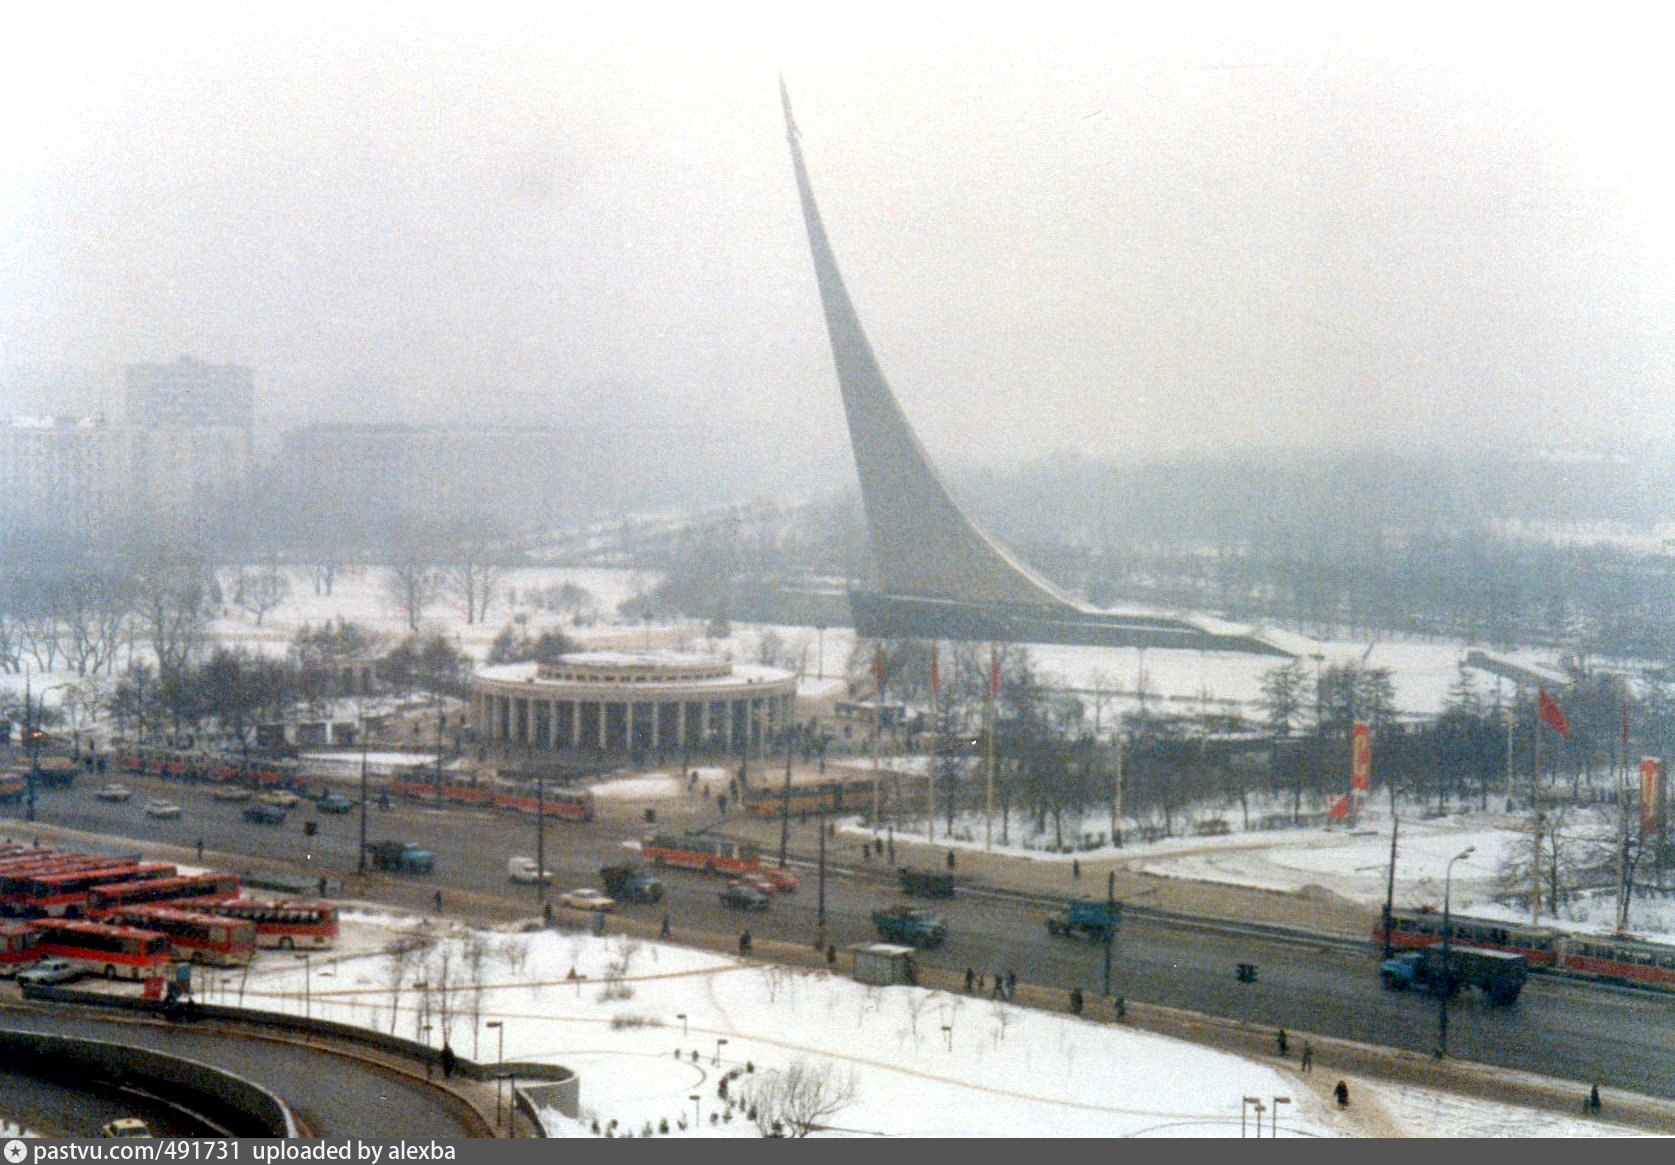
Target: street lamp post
541, 834
425, 1030
307, 984
499, 1027
1274, 1120
681, 1015
1447, 968
361, 866
720, 1042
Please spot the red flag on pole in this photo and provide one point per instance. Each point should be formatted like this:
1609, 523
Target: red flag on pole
1551, 714
994, 670
936, 680
1339, 810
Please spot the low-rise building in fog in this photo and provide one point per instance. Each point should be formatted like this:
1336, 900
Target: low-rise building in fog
632, 704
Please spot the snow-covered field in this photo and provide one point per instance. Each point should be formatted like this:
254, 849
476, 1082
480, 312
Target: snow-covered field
649, 1026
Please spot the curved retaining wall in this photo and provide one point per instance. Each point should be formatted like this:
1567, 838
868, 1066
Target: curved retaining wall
561, 1086
242, 1107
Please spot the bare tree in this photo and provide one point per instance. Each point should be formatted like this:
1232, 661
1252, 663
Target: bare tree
403, 953
173, 606
476, 564
474, 953
796, 1100
413, 575
261, 590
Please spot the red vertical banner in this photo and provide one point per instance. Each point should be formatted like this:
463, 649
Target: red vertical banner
936, 680
994, 670
1361, 757
1651, 795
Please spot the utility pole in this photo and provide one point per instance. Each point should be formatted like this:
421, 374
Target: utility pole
785, 803
541, 833
930, 761
1390, 886
1110, 924
1535, 825
989, 781
820, 905
33, 742
361, 866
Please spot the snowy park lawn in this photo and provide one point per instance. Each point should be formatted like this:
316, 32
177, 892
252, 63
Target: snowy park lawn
648, 1026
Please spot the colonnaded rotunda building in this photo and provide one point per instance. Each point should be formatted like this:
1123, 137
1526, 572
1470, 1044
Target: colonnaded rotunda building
632, 703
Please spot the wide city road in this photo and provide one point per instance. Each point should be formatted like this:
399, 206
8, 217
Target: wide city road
1560, 1028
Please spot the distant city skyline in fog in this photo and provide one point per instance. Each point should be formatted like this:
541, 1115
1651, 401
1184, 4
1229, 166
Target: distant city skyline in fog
1117, 233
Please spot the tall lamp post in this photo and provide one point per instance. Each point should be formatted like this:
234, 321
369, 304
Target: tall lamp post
1447, 969
361, 865
499, 1026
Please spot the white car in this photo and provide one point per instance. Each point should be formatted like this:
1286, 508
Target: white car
283, 798
128, 1126
114, 791
525, 870
231, 793
587, 898
49, 971
162, 809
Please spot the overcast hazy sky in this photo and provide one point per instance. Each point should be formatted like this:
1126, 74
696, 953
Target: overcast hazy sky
1106, 229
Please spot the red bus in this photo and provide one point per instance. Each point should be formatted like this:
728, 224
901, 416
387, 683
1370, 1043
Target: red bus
698, 851
116, 952
17, 947
197, 889
853, 795
1423, 928
566, 804
285, 925
64, 895
195, 936
453, 794
1622, 959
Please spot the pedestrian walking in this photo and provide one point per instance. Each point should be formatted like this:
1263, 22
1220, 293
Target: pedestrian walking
200, 849
1075, 867
998, 991
1593, 1100
1282, 1042
1308, 1056
970, 978
744, 942
1011, 983
1122, 1007
547, 914
1075, 1001
831, 954
449, 1060
1341, 1092
663, 928
437, 899
950, 859
878, 847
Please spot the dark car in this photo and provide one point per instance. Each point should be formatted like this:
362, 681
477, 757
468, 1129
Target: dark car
742, 897
334, 803
261, 814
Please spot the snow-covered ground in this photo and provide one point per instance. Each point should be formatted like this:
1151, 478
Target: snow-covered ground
649, 1026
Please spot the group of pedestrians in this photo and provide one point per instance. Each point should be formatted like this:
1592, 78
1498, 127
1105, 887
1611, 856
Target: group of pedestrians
1005, 984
